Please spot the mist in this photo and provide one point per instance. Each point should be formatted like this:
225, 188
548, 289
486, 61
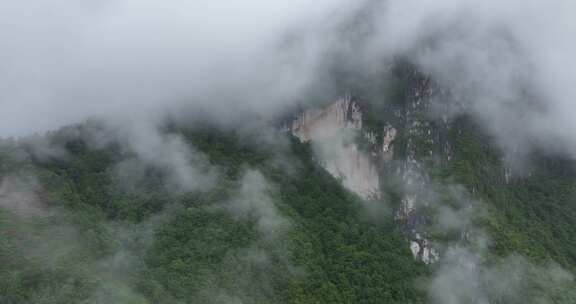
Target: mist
508, 64
63, 61
49, 240
466, 268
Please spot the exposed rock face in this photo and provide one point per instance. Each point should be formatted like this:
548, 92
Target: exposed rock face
423, 139
388, 137
315, 124
335, 132
410, 214
332, 131
356, 171
423, 250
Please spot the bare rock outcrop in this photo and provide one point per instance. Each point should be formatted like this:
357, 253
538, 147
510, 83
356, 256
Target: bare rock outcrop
332, 131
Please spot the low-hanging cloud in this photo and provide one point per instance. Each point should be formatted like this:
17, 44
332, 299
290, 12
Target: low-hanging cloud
63, 60
50, 241
254, 201
466, 269
508, 63
184, 168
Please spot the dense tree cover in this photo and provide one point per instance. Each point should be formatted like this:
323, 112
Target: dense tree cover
98, 242
87, 236
533, 212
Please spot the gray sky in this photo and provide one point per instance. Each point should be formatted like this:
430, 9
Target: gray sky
511, 61
64, 60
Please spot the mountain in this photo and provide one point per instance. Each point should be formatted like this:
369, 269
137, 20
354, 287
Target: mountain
368, 197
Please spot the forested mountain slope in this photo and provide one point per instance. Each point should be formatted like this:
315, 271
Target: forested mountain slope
372, 198
308, 152
296, 237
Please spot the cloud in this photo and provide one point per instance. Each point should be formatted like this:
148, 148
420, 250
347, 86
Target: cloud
465, 276
20, 194
254, 201
102, 263
468, 272
185, 168
257, 269
508, 62
65, 60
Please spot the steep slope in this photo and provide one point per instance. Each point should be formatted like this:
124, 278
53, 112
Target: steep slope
333, 131
260, 235
369, 199
411, 147
367, 147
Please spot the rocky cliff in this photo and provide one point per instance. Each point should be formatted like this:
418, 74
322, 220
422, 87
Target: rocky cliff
332, 131
363, 157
